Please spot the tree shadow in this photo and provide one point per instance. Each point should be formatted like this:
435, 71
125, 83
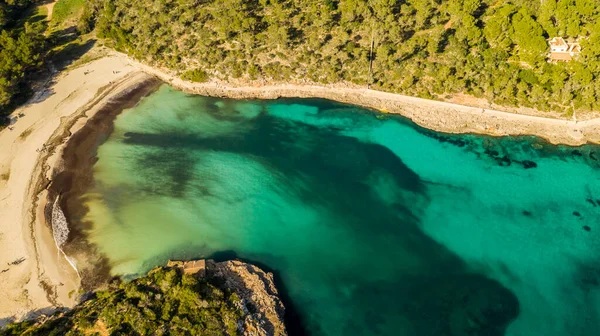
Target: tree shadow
4, 321
32, 315
70, 53
62, 37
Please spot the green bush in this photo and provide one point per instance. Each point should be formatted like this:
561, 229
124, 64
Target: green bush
67, 9
196, 75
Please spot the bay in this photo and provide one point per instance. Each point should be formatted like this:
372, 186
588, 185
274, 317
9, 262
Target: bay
373, 225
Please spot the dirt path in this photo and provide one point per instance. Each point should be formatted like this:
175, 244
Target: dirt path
50, 7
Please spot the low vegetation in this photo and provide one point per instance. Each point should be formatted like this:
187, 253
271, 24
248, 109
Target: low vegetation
165, 302
197, 75
65, 10
491, 49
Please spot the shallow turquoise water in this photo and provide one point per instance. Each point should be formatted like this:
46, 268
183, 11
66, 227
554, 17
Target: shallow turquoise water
374, 226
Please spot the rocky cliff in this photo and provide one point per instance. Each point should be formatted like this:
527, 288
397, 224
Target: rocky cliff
261, 304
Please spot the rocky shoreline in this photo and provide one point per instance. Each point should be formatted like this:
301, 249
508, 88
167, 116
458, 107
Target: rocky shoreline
260, 301
434, 115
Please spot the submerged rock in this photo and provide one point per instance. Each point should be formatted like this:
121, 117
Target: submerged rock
529, 164
503, 161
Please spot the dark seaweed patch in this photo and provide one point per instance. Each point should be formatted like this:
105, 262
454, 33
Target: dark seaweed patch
453, 140
528, 164
503, 161
492, 153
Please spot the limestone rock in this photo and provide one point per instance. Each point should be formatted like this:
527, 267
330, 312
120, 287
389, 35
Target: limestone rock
256, 288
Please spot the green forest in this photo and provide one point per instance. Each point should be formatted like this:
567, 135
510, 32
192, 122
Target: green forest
165, 302
491, 49
22, 43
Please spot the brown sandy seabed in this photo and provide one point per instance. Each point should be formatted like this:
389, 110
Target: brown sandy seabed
72, 146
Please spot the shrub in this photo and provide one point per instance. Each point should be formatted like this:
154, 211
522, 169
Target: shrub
196, 75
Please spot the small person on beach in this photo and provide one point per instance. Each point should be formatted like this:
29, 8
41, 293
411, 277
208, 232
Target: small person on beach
16, 262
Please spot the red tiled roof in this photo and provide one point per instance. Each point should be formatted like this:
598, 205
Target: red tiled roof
558, 42
575, 47
560, 56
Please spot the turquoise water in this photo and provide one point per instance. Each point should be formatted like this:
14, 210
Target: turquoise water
373, 225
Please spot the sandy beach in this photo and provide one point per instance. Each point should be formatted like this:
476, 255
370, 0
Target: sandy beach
40, 278
35, 277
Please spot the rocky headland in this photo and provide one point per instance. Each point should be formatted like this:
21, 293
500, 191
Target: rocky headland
216, 298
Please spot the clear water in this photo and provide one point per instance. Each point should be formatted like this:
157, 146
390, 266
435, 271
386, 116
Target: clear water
375, 226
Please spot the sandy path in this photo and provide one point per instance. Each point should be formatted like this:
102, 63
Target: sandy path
23, 233
50, 8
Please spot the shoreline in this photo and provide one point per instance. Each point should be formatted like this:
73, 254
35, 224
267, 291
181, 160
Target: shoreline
62, 118
35, 277
431, 114
70, 181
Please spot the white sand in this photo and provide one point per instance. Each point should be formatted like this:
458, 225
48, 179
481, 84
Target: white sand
23, 233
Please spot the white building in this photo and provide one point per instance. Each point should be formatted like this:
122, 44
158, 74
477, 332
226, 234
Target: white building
561, 50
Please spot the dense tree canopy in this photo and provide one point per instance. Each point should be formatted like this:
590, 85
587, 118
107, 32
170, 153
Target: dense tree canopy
493, 49
21, 47
9, 9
